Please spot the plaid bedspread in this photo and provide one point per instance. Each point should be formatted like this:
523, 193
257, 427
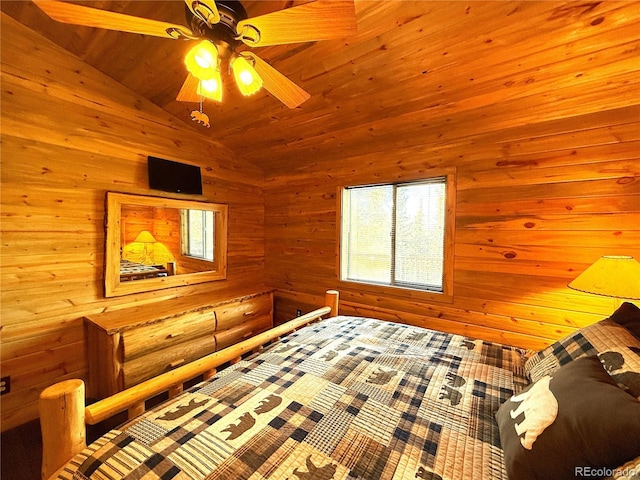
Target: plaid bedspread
346, 398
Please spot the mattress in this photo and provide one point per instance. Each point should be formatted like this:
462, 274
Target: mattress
345, 398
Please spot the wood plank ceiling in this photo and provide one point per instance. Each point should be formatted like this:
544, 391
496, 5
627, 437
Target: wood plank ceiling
425, 65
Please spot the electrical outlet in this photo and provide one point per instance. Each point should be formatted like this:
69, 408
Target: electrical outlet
5, 385
298, 312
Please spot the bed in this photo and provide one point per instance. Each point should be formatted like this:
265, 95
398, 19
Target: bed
137, 271
360, 398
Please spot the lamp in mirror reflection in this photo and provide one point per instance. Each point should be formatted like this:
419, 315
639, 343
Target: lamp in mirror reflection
146, 250
611, 276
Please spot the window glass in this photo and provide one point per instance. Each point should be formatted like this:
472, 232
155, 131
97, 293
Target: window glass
198, 234
419, 235
394, 234
367, 228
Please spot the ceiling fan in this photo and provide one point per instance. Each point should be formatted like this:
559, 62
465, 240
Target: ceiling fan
220, 27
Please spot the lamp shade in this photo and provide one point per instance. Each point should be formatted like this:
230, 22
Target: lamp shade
145, 237
211, 88
611, 276
247, 79
202, 60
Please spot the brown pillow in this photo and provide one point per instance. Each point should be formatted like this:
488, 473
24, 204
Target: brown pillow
596, 424
628, 315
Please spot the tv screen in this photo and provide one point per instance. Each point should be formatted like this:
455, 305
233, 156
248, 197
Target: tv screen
170, 176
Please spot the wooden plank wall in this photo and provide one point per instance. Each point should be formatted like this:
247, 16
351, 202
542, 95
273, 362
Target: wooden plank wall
525, 227
543, 127
69, 135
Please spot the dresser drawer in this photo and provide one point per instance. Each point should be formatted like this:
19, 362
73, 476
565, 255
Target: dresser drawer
249, 328
162, 360
166, 334
235, 313
128, 346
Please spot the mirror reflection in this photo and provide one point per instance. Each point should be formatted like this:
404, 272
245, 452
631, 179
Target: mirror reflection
156, 242
159, 241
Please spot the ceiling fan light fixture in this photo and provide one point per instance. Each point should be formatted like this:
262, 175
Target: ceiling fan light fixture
202, 60
247, 79
211, 88
222, 26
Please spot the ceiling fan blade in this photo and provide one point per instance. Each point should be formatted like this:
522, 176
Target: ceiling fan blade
93, 17
277, 84
320, 20
188, 92
206, 10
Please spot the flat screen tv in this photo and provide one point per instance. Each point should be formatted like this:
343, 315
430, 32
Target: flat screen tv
170, 176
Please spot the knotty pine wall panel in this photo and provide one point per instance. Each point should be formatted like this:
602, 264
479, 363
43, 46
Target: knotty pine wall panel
543, 129
438, 64
514, 255
69, 135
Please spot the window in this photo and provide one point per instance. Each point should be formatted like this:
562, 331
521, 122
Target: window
396, 235
198, 234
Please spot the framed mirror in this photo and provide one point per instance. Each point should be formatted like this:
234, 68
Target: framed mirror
154, 243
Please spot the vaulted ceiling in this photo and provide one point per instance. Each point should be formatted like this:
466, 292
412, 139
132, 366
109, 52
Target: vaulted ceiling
414, 69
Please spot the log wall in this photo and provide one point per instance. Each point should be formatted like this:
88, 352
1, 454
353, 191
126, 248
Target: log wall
527, 223
69, 135
542, 125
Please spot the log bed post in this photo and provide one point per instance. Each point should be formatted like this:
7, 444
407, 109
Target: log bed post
331, 299
63, 414
62, 424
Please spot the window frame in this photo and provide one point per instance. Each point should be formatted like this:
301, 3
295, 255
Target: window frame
405, 291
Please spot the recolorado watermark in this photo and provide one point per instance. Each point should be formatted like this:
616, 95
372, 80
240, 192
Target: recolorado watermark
607, 472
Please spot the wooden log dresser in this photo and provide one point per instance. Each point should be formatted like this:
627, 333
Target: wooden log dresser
128, 346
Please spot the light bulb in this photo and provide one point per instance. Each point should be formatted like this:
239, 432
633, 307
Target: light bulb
246, 77
204, 59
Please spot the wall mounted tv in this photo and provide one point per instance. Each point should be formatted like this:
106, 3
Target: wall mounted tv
170, 176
